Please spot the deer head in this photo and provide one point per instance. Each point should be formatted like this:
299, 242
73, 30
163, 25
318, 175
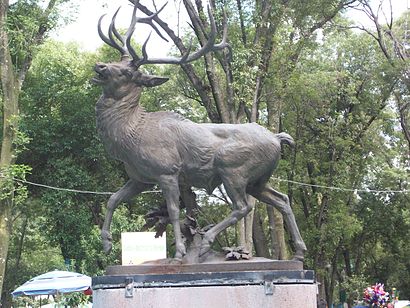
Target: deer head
121, 78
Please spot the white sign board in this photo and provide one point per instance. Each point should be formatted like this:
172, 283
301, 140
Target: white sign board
139, 247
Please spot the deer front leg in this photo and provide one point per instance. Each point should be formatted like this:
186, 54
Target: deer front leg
170, 189
129, 190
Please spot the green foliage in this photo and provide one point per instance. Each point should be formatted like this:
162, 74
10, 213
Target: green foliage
354, 287
74, 299
12, 183
26, 18
213, 208
70, 156
58, 103
30, 252
21, 139
337, 107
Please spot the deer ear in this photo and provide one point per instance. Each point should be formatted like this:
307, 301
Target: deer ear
152, 81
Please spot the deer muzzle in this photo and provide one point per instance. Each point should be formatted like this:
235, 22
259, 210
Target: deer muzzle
101, 76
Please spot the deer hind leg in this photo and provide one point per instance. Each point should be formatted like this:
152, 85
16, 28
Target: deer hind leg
281, 202
170, 190
239, 198
129, 190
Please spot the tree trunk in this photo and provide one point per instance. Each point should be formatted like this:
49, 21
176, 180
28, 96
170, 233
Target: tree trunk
10, 113
259, 238
332, 274
403, 106
277, 232
245, 228
321, 276
11, 82
6, 298
21, 242
5, 231
276, 225
386, 37
249, 231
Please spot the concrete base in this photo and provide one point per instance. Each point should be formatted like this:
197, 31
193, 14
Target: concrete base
251, 296
257, 284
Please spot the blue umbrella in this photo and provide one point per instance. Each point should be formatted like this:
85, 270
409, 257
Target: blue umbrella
55, 282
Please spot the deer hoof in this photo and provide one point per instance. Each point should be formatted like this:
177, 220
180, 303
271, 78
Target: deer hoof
299, 256
205, 248
181, 251
106, 241
175, 261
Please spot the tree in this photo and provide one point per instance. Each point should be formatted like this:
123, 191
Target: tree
65, 151
30, 253
33, 24
392, 39
338, 108
237, 91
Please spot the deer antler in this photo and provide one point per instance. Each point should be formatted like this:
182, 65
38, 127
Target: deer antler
109, 41
127, 50
187, 56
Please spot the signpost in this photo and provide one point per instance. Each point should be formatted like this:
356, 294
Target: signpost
139, 247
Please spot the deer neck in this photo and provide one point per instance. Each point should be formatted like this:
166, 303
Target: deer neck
117, 120
118, 107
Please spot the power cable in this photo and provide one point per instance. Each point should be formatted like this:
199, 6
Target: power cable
278, 179
74, 190
344, 189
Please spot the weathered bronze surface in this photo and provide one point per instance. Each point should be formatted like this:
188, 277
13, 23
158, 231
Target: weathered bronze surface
166, 149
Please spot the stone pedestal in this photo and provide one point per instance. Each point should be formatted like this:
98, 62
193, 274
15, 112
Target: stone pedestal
252, 284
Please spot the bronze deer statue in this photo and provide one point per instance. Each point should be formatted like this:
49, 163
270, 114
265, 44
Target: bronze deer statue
166, 149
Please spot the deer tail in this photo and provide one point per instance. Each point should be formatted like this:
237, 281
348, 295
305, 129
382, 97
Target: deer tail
285, 138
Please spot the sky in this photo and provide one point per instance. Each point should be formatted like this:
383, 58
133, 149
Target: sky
398, 7
84, 29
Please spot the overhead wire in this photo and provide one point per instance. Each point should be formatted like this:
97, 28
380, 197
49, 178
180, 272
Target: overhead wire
345, 189
74, 190
278, 179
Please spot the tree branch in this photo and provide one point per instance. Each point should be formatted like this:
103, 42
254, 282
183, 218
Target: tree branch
202, 89
38, 39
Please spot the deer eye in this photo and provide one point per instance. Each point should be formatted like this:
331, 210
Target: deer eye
127, 73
